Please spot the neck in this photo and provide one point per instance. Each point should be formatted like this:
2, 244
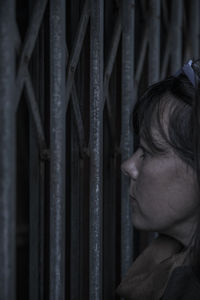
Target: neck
183, 232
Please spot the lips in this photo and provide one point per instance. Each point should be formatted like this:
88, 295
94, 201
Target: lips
132, 197
133, 202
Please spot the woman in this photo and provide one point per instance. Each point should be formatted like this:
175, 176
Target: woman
165, 189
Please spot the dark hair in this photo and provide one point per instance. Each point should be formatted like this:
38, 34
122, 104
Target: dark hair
178, 94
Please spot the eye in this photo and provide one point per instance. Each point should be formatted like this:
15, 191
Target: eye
144, 154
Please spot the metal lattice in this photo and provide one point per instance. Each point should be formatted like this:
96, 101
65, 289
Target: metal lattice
70, 75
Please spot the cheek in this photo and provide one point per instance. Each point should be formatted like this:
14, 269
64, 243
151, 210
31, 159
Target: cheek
150, 194
153, 182
164, 196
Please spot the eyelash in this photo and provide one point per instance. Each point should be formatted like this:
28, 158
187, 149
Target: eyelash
143, 155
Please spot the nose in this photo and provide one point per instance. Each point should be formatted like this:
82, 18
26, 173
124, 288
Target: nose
129, 168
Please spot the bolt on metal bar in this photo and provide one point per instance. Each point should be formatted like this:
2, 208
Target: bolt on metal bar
57, 147
7, 152
154, 41
96, 149
126, 142
176, 42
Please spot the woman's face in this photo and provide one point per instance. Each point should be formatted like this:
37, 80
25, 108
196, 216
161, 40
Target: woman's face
165, 193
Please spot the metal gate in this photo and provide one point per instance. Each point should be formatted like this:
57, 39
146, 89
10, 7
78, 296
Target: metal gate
70, 74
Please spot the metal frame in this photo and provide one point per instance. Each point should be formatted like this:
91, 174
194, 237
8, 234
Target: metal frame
57, 148
7, 152
101, 56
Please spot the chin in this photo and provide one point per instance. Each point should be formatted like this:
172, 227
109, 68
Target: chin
141, 225
138, 224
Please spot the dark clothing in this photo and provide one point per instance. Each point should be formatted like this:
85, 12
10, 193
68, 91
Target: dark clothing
161, 272
182, 285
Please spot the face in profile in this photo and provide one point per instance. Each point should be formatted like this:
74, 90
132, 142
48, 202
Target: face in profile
165, 192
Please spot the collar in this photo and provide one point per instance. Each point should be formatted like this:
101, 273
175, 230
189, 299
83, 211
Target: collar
148, 276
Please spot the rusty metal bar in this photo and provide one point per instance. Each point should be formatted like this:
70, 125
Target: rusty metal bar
176, 41
7, 152
57, 148
154, 41
126, 146
96, 149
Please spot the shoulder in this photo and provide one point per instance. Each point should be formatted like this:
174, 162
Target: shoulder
182, 284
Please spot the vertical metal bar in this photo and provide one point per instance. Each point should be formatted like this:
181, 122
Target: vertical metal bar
7, 152
34, 215
154, 53
154, 41
96, 143
75, 218
75, 178
128, 14
57, 147
36, 193
194, 28
34, 212
109, 232
41, 61
176, 28
84, 92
